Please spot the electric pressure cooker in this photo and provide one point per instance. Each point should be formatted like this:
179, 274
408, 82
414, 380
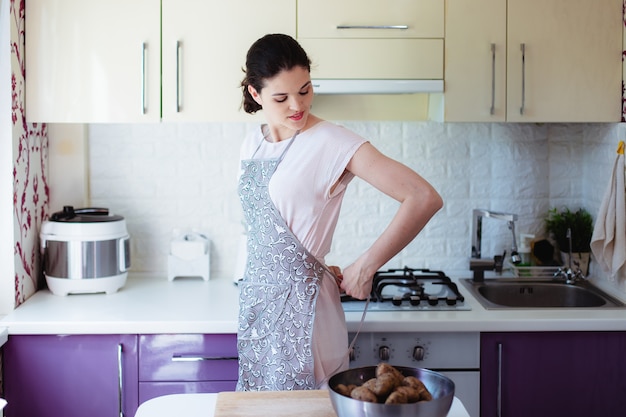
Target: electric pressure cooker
85, 250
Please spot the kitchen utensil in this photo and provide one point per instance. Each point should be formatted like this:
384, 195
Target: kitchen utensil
440, 386
85, 250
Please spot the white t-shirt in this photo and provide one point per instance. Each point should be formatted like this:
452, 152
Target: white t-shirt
302, 190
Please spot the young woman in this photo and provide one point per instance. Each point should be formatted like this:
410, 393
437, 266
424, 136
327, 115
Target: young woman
294, 172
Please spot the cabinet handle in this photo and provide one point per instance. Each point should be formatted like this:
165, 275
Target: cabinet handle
178, 46
401, 27
523, 49
196, 358
120, 380
499, 393
493, 79
144, 49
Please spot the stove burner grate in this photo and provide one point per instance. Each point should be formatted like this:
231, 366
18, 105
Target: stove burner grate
410, 289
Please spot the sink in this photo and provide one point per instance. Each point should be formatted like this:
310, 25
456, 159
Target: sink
513, 293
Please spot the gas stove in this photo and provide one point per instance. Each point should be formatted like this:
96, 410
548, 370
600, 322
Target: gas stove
409, 289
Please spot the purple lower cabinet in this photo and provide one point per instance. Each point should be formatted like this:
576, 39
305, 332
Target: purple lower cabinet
77, 375
573, 374
186, 363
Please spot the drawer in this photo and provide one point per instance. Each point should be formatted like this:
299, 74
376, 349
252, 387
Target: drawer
188, 357
375, 58
370, 19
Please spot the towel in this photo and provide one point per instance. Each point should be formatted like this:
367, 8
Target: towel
608, 242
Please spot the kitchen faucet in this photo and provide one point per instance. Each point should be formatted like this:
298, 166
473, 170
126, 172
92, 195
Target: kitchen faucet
571, 276
478, 265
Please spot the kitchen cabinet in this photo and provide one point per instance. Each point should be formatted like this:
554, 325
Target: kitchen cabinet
70, 375
143, 61
533, 61
553, 374
204, 51
92, 61
186, 363
373, 39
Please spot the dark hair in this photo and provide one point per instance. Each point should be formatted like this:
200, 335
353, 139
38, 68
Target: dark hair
267, 57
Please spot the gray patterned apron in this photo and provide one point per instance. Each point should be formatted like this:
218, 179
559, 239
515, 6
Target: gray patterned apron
277, 294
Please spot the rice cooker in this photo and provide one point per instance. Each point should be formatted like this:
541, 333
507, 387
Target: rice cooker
85, 250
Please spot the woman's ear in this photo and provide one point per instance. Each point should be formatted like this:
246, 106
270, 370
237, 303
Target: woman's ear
255, 94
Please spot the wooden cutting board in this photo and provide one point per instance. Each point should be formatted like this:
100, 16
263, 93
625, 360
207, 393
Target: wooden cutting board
310, 403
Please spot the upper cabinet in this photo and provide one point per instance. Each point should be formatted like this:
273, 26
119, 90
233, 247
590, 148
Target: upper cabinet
181, 60
533, 61
373, 39
204, 51
92, 61
142, 61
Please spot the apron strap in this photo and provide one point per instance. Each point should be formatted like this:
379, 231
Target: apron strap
280, 158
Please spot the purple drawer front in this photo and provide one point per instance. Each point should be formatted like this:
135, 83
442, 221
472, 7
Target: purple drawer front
188, 357
149, 390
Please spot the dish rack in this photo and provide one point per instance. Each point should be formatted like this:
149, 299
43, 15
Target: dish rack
533, 271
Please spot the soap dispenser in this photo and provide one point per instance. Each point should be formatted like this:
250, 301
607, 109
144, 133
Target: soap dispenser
524, 248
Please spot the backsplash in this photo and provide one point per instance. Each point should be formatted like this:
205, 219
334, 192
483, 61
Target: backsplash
166, 176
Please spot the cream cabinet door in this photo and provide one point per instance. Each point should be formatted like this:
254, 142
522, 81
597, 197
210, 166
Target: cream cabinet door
538, 61
564, 61
204, 51
370, 19
475, 61
92, 60
373, 39
375, 58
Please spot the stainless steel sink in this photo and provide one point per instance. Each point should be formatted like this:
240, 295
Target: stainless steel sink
514, 293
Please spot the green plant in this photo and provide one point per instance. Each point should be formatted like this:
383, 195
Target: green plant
580, 223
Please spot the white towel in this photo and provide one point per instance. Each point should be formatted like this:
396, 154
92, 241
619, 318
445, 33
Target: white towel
608, 242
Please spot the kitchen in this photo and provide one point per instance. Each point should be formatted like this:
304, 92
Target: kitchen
131, 171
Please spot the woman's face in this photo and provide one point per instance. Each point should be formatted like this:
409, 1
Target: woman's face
286, 100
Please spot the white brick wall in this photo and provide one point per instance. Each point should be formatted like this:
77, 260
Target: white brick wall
166, 176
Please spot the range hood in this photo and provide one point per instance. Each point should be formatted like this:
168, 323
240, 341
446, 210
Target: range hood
373, 86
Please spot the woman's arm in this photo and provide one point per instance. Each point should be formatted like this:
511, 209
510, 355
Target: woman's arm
419, 202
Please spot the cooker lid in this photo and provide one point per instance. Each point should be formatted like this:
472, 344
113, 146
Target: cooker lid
84, 215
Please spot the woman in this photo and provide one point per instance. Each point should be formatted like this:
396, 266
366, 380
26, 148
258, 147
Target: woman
295, 169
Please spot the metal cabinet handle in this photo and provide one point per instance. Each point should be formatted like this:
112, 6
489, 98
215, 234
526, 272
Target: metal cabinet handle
499, 393
197, 358
120, 380
178, 105
523, 49
493, 79
144, 49
401, 27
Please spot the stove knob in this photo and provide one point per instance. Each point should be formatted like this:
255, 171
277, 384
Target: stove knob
415, 300
396, 301
433, 301
451, 301
384, 353
418, 353
351, 354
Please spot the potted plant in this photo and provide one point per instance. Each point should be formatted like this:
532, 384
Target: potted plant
580, 224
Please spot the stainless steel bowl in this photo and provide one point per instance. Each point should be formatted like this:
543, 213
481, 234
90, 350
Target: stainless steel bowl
440, 386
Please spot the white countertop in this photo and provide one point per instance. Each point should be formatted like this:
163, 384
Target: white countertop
4, 335
203, 405
149, 305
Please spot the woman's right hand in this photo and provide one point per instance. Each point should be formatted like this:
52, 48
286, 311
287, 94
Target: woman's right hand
357, 281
